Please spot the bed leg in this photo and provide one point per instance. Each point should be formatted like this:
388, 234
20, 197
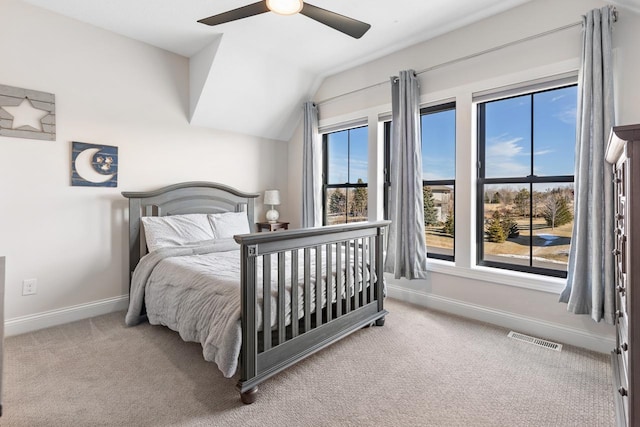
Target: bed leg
249, 396
380, 322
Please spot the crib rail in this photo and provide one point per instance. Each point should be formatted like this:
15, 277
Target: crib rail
339, 269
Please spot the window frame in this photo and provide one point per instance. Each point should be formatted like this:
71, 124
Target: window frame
447, 106
451, 105
529, 180
387, 167
325, 171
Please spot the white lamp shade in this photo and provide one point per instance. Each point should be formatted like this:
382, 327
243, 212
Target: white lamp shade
272, 197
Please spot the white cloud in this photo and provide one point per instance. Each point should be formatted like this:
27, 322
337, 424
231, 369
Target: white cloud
508, 148
504, 157
543, 152
567, 116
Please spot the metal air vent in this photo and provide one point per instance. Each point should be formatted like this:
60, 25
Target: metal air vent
535, 341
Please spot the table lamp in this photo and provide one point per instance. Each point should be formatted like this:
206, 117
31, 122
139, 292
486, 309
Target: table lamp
272, 197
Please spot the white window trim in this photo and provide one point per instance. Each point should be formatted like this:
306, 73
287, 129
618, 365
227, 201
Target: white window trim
337, 127
536, 85
519, 279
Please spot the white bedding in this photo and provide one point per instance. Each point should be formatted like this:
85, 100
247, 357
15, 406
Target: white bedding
195, 290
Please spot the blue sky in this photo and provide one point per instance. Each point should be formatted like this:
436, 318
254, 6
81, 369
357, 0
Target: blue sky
508, 134
348, 156
439, 145
508, 140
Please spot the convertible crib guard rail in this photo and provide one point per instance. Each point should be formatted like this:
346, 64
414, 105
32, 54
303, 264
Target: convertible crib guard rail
339, 266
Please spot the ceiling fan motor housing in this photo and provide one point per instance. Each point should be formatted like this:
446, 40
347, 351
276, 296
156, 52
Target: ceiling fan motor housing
285, 7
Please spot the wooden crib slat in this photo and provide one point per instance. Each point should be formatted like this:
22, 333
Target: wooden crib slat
356, 268
318, 285
379, 269
329, 280
371, 266
363, 267
282, 307
307, 289
266, 301
294, 293
347, 275
339, 287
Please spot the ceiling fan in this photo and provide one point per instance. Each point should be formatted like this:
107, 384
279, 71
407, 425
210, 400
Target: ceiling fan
349, 26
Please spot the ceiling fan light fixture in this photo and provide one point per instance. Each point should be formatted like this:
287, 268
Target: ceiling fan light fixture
285, 7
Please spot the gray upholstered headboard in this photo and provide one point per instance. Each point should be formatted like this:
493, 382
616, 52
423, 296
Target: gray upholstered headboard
183, 198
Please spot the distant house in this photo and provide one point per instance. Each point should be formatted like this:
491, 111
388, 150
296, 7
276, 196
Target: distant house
443, 201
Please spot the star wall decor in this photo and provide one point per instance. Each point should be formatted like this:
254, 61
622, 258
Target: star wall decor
27, 113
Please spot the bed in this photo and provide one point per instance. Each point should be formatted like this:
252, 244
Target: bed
323, 283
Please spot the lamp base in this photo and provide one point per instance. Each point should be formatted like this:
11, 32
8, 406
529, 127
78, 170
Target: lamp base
272, 215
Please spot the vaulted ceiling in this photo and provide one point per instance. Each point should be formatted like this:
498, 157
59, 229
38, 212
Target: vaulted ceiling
252, 75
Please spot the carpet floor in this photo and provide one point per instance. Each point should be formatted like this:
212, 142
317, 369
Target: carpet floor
423, 368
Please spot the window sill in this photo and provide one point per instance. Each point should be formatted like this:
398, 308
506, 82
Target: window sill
536, 282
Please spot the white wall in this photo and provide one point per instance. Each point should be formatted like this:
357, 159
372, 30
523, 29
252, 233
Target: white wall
464, 289
109, 90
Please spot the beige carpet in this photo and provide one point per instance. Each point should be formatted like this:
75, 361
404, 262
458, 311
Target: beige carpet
422, 368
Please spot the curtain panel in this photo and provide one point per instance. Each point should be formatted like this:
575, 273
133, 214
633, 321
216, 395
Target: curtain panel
311, 169
406, 249
590, 279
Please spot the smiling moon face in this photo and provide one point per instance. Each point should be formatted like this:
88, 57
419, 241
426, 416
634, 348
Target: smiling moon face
94, 165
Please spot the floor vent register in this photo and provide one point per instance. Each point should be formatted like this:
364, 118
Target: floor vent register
535, 341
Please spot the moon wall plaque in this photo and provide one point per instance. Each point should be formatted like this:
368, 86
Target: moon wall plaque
94, 165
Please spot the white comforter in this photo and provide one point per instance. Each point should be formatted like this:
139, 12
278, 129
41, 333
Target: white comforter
195, 290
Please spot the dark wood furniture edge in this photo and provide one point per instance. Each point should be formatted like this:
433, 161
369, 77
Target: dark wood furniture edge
623, 149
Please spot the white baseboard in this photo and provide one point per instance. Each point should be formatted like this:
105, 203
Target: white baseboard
540, 328
519, 323
34, 322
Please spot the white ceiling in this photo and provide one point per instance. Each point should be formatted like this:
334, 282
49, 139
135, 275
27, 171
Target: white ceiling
252, 75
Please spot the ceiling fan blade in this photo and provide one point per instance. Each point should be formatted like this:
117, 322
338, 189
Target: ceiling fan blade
239, 13
349, 26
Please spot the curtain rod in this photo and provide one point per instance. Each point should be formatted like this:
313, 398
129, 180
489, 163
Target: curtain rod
467, 57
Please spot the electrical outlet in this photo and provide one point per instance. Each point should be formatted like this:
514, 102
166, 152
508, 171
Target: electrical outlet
29, 286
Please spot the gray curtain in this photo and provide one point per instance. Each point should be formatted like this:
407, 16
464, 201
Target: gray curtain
406, 250
311, 158
590, 279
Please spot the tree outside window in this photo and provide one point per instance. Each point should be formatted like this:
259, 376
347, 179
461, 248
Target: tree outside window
345, 176
526, 149
438, 133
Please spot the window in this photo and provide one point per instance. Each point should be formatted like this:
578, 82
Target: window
345, 176
438, 132
438, 138
526, 155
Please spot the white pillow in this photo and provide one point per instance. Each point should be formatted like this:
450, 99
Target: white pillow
229, 224
163, 231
